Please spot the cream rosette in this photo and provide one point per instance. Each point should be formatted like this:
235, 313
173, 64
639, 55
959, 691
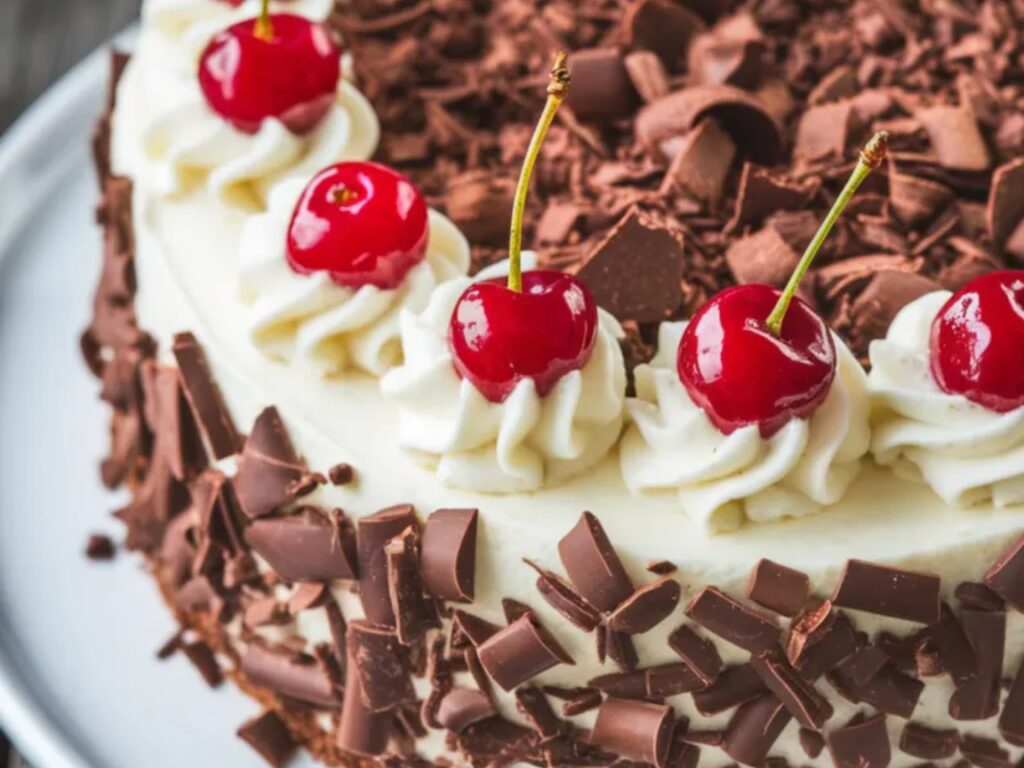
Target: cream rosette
672, 447
313, 322
965, 452
522, 444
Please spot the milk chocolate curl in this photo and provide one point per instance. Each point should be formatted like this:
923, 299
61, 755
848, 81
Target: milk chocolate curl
636, 730
361, 732
461, 707
593, 566
374, 532
205, 398
448, 559
889, 592
520, 652
380, 666
297, 677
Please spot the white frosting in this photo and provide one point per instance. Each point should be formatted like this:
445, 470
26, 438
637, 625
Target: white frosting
672, 446
313, 321
185, 143
964, 451
522, 444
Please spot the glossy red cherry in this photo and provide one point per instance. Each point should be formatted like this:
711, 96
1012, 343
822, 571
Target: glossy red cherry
740, 373
977, 342
290, 73
362, 223
499, 336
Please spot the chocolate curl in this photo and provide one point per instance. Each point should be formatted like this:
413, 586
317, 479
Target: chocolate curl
448, 558
593, 566
520, 652
636, 730
361, 732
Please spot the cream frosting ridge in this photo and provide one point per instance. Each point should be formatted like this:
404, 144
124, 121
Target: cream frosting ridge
522, 444
965, 452
312, 321
671, 446
185, 143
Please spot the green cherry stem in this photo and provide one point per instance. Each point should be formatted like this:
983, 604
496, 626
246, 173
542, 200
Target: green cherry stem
558, 87
870, 158
264, 29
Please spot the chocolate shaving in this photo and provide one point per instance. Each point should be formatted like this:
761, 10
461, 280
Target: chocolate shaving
698, 653
799, 697
296, 676
634, 729
1006, 576
270, 738
978, 697
361, 731
461, 707
205, 398
733, 687
564, 599
377, 659
520, 652
778, 588
1011, 721
373, 534
414, 613
928, 743
204, 660
862, 744
593, 566
754, 729
304, 547
730, 620
889, 592
651, 683
648, 607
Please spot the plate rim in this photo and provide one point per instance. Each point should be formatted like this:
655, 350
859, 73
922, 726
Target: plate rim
30, 729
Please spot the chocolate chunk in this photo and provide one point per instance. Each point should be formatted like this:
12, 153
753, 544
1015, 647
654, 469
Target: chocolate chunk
296, 676
100, 548
754, 729
698, 653
270, 737
601, 88
778, 588
984, 753
664, 27
270, 474
564, 599
373, 534
702, 163
744, 117
533, 705
304, 547
927, 743
520, 652
634, 272
972, 594
647, 74
762, 193
1006, 576
955, 137
205, 398
379, 663
361, 731
862, 744
978, 697
414, 612
593, 566
798, 696
204, 660
341, 474
649, 606
475, 630
812, 742
1011, 721
449, 554
734, 686
732, 621
763, 257
1006, 201
635, 730
652, 683
889, 592
461, 707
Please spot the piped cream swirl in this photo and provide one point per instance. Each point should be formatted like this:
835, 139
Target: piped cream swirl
185, 144
315, 323
671, 446
522, 444
965, 452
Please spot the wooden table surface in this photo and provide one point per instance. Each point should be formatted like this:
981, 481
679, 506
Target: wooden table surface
40, 40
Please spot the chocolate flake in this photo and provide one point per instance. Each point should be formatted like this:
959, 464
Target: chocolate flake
698, 653
984, 753
448, 559
978, 697
205, 398
734, 686
204, 660
373, 534
648, 607
730, 620
754, 729
295, 676
778, 588
1011, 721
461, 707
414, 613
928, 743
533, 705
564, 599
651, 683
303, 547
861, 744
593, 566
270, 737
379, 663
889, 592
798, 696
1006, 576
100, 548
361, 731
520, 652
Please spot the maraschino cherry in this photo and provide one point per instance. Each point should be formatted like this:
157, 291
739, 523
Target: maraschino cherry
276, 65
538, 325
977, 342
753, 355
362, 223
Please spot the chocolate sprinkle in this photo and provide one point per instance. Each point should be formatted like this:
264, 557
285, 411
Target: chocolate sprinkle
889, 592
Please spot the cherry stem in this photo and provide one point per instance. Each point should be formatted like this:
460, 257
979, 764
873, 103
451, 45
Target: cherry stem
558, 87
870, 158
264, 29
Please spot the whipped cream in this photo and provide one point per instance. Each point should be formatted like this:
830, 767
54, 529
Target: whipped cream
721, 480
522, 444
965, 452
312, 321
185, 143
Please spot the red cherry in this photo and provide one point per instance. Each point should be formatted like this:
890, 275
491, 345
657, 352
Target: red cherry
362, 223
741, 373
977, 342
291, 74
499, 336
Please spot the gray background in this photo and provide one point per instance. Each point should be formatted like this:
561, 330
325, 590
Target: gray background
39, 41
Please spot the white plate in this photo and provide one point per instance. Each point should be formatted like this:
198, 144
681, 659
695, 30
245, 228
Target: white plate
79, 682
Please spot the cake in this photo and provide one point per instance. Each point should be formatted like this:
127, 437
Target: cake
432, 501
